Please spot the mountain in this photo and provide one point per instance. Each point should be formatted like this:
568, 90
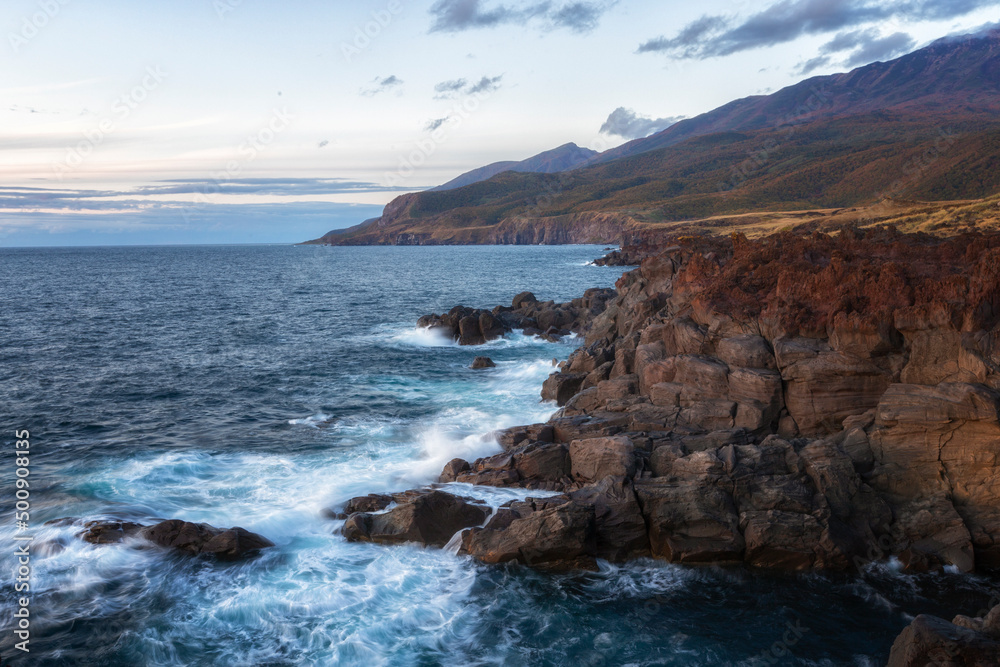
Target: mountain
925, 126
951, 71
564, 158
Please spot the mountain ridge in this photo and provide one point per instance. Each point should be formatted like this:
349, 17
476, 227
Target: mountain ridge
923, 126
563, 158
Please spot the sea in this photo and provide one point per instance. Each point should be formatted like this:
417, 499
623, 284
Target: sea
258, 386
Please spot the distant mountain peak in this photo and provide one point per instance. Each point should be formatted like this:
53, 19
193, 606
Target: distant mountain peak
565, 157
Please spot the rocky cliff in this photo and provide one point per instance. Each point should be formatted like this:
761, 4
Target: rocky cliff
794, 402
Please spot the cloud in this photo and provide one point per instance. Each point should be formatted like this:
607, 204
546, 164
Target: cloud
28, 198
449, 89
859, 47
382, 85
786, 20
813, 64
486, 85
690, 36
579, 16
630, 125
450, 86
869, 46
436, 123
459, 15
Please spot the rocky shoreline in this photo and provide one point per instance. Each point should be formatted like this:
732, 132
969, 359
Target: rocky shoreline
795, 402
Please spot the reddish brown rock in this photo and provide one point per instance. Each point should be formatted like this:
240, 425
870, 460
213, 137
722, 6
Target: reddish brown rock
555, 537
431, 518
199, 539
561, 387
596, 458
965, 642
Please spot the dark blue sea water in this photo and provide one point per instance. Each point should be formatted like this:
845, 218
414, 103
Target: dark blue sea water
258, 385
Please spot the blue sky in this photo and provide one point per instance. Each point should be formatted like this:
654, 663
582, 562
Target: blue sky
195, 121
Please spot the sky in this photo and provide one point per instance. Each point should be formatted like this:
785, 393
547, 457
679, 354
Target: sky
254, 121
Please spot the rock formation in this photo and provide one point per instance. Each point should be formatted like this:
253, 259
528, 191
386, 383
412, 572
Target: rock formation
794, 402
195, 539
549, 320
430, 518
965, 642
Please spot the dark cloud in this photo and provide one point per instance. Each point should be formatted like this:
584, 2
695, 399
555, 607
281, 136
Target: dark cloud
383, 85
813, 64
859, 47
689, 37
452, 86
784, 21
455, 87
485, 85
880, 48
458, 15
436, 123
579, 16
628, 124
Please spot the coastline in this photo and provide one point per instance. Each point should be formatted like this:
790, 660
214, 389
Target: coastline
727, 406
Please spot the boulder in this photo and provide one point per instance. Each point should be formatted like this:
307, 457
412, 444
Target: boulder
373, 502
469, 332
523, 299
480, 363
199, 539
556, 537
517, 435
930, 640
452, 470
108, 532
431, 518
490, 327
561, 387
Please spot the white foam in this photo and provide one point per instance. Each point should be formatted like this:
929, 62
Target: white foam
422, 337
316, 421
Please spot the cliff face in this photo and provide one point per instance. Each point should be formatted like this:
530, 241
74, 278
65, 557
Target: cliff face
396, 227
848, 387
794, 402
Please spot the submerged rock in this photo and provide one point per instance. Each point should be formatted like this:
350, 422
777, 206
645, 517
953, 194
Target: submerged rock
202, 539
480, 363
196, 539
108, 532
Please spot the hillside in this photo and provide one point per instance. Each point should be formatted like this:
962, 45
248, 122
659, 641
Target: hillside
924, 127
567, 156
